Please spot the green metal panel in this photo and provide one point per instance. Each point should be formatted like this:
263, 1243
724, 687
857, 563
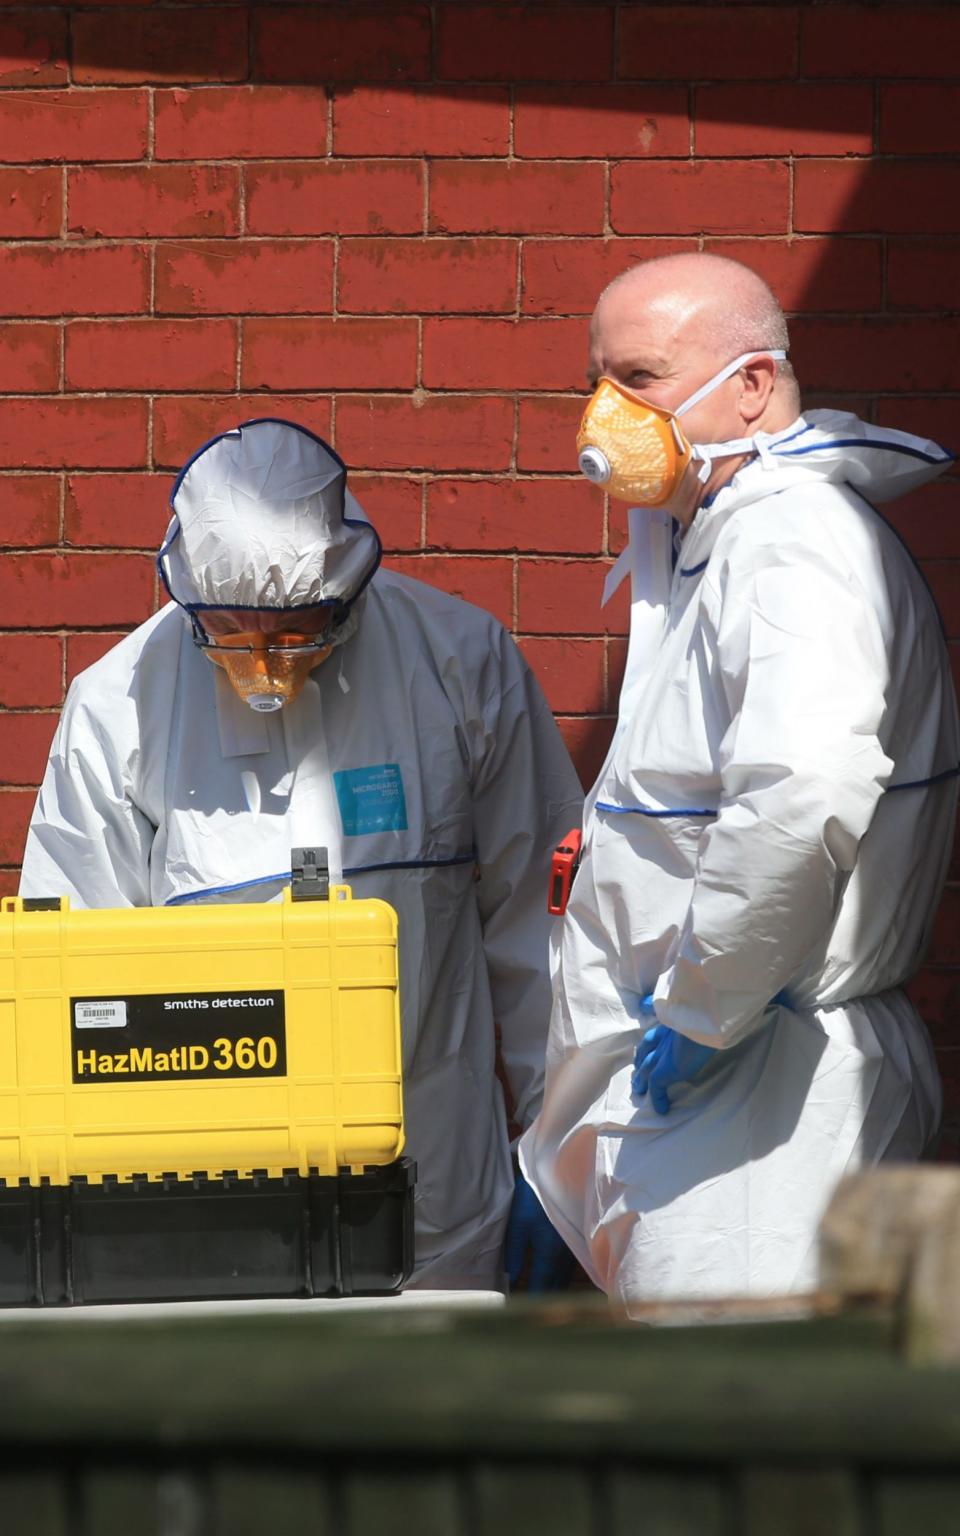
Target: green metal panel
661, 1503
270, 1500
921, 1504
33, 1504
788, 1500
413, 1423
417, 1502
518, 1498
117, 1501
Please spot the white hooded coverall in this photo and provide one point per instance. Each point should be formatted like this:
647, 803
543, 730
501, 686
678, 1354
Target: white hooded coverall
774, 820
421, 754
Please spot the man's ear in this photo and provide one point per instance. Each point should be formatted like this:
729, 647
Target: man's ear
758, 378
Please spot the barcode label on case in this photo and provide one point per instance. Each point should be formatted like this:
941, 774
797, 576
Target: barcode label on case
110, 1014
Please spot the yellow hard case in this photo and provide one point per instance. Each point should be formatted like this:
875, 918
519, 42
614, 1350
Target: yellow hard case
198, 1039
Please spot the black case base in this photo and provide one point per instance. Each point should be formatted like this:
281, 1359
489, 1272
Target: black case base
205, 1239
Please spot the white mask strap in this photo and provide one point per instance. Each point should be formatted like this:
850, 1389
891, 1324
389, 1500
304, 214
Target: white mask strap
760, 445
725, 373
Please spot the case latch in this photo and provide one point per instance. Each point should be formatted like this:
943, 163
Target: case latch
309, 874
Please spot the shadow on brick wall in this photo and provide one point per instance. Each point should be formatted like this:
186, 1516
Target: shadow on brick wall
544, 147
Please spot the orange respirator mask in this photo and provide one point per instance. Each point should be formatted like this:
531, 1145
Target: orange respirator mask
266, 671
637, 451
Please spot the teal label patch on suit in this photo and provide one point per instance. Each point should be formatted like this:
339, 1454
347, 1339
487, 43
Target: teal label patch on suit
371, 799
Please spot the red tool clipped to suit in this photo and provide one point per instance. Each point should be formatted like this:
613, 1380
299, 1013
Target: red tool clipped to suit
563, 867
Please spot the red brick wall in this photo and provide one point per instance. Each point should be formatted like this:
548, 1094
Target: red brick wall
389, 221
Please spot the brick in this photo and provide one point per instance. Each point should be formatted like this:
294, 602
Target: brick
948, 1061
616, 526
784, 119
439, 432
428, 276
31, 510
936, 417
385, 120
713, 197
945, 947
73, 280
566, 277
16, 806
563, 516
587, 739
64, 434
329, 354
33, 49
908, 197
838, 400
119, 511
516, 197
570, 672
488, 583
240, 122
616, 666
948, 1144
245, 277
30, 203
920, 119
154, 200
601, 121
923, 40
79, 5
928, 520
29, 358
197, 44
181, 424
566, 43
47, 591
813, 274
151, 354
923, 274
84, 650
30, 671
368, 197
547, 432
936, 996
877, 354
707, 42
332, 43
503, 354
24, 744
562, 597
943, 578
73, 125
393, 504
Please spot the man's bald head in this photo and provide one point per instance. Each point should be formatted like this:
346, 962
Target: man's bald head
709, 300
667, 327
693, 311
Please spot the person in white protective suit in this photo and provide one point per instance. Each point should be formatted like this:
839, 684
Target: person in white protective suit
350, 708
768, 838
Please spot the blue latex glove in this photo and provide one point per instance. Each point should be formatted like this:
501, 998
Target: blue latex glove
664, 1058
529, 1230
